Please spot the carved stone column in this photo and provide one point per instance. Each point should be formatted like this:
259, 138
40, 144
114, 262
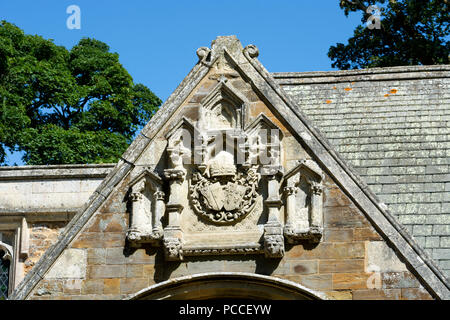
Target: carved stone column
157, 231
316, 211
273, 231
138, 216
173, 235
289, 228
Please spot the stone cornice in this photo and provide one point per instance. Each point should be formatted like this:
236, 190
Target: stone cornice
86, 171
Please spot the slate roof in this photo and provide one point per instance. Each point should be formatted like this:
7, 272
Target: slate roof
393, 126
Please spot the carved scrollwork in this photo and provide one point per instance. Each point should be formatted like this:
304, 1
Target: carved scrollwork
202, 54
251, 51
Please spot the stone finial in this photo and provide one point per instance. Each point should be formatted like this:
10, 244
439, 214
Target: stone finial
202, 54
251, 51
231, 43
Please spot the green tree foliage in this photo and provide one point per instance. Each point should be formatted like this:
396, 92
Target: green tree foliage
61, 106
413, 32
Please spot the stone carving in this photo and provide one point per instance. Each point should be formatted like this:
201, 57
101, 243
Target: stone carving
147, 202
274, 246
202, 54
251, 51
222, 195
224, 173
303, 202
173, 249
249, 249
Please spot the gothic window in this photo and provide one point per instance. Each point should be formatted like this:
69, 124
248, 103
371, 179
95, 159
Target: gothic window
4, 275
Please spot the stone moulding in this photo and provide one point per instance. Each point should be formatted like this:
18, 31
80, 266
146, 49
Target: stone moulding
242, 284
249, 248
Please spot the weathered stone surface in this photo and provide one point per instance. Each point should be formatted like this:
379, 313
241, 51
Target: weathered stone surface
341, 266
381, 258
70, 265
377, 294
350, 280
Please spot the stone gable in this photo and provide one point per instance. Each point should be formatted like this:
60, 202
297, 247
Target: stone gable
284, 206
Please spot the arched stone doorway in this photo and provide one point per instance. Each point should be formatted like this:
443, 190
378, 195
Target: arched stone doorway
226, 285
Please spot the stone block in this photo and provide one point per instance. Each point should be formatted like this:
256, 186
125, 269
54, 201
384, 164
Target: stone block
398, 280
422, 230
339, 295
334, 197
132, 285
350, 280
240, 265
92, 286
341, 266
72, 286
415, 294
445, 242
107, 271
441, 230
212, 265
135, 271
343, 217
51, 287
317, 282
99, 240
377, 294
338, 235
432, 242
141, 256
96, 256
108, 222
366, 234
70, 265
304, 266
441, 254
344, 250
115, 256
111, 286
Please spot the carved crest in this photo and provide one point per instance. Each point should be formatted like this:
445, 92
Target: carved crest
222, 195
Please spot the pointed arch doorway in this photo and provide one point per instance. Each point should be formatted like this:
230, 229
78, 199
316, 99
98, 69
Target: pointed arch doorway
227, 285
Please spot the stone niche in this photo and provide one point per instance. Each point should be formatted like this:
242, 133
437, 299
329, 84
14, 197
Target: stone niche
221, 186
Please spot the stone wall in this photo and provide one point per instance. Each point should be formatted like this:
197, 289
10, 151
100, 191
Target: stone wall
37, 202
48, 189
42, 236
352, 261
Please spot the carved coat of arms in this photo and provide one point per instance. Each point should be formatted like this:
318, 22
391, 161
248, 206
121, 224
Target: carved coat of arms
221, 194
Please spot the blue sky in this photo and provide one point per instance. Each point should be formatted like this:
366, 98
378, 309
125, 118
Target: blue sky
157, 40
